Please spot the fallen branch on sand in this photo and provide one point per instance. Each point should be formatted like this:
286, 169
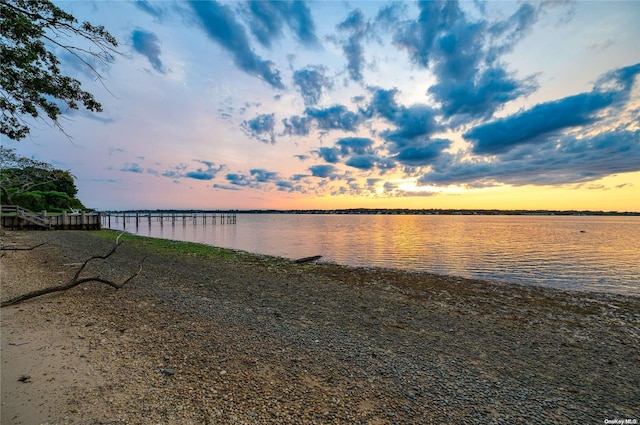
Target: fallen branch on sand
77, 280
11, 248
306, 260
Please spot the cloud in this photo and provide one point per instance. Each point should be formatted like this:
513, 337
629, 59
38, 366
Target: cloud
208, 173
513, 29
336, 117
224, 187
263, 176
418, 37
543, 120
362, 162
480, 95
267, 20
296, 126
413, 125
147, 44
323, 170
352, 47
330, 155
312, 81
259, 125
181, 171
383, 103
389, 15
133, 168
238, 179
149, 8
532, 125
569, 159
219, 23
287, 186
422, 155
464, 57
355, 145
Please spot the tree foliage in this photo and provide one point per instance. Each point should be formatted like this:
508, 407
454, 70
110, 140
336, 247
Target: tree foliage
31, 82
35, 185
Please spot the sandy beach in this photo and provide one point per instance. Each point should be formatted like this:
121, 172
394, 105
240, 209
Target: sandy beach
209, 336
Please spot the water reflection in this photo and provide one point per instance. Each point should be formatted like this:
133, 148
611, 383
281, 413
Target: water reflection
597, 253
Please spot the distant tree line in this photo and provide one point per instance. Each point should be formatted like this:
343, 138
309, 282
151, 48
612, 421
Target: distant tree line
35, 185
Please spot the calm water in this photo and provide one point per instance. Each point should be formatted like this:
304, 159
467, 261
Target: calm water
576, 252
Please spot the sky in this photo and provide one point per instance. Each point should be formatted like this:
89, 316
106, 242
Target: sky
356, 104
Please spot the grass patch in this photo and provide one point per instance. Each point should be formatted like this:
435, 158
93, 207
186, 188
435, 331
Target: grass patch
188, 249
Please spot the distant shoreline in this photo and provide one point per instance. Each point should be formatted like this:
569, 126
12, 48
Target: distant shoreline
392, 211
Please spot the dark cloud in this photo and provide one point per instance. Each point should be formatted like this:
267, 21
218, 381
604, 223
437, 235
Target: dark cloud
620, 80
147, 44
312, 81
464, 57
238, 179
262, 124
362, 162
568, 159
422, 155
413, 125
285, 185
418, 37
323, 170
356, 28
534, 125
301, 23
336, 117
296, 126
479, 95
513, 29
267, 20
263, 176
219, 23
355, 145
208, 173
330, 155
383, 103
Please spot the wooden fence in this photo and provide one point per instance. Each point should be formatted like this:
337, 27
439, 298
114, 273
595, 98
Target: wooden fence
14, 217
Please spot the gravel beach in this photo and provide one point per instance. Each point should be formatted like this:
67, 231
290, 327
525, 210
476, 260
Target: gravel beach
209, 336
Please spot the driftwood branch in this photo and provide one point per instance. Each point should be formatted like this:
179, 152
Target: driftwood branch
77, 280
306, 260
11, 248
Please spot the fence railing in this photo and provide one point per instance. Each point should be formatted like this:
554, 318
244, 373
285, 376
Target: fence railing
16, 217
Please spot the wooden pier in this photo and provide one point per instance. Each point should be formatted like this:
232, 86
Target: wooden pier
14, 217
115, 218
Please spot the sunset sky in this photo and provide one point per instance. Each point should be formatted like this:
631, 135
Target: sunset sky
337, 104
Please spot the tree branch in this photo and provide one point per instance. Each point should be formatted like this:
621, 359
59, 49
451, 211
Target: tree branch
75, 281
8, 248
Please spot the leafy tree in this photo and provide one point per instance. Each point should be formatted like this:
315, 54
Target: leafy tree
31, 82
35, 185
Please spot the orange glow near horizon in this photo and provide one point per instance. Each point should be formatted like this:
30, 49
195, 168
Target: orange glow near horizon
613, 193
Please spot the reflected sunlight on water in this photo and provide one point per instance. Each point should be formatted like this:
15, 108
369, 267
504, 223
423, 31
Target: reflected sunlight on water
571, 252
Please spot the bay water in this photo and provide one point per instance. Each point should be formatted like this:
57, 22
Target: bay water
594, 253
